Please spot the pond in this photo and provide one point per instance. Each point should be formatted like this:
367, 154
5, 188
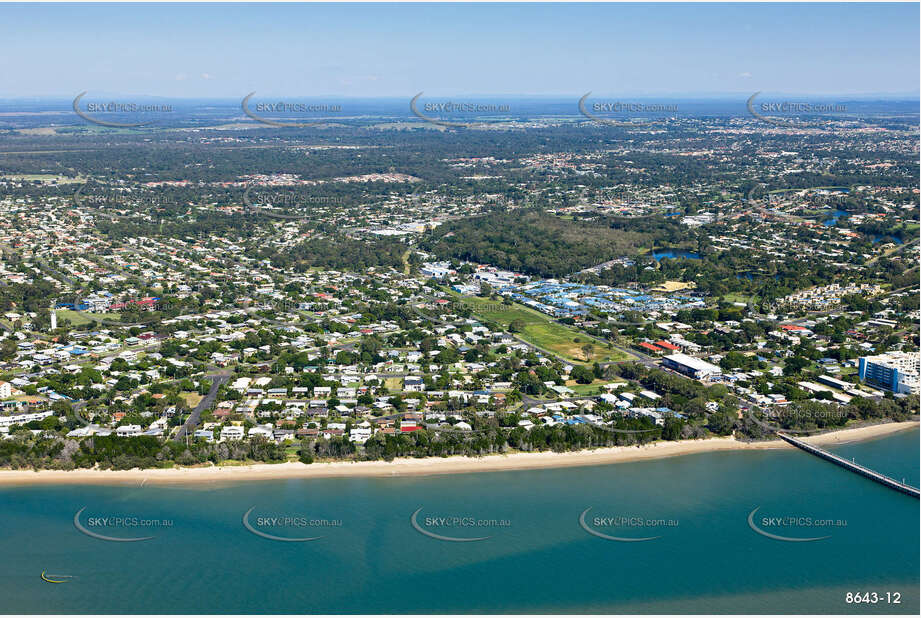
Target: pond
660, 254
834, 216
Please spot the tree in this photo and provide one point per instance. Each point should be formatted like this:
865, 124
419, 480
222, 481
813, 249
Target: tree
8, 349
720, 423
305, 453
672, 429
794, 365
582, 374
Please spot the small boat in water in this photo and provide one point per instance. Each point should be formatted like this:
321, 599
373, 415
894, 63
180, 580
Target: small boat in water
48, 578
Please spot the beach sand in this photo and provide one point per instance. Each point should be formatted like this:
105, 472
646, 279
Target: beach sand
427, 466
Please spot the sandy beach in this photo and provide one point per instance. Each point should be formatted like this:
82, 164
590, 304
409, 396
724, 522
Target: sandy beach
428, 466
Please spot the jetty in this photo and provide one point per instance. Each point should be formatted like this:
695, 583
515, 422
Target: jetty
852, 466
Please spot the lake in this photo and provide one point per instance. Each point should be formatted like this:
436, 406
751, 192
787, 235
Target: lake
833, 217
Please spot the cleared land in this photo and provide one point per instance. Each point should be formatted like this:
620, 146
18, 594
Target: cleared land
191, 399
542, 332
79, 318
394, 385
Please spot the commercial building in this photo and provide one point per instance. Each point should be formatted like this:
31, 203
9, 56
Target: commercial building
897, 371
689, 365
828, 380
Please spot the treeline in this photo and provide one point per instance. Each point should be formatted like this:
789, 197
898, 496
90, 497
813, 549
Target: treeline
734, 271
339, 254
496, 440
36, 296
817, 416
24, 451
536, 243
664, 382
205, 224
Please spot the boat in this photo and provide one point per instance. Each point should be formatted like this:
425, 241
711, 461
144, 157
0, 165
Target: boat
48, 579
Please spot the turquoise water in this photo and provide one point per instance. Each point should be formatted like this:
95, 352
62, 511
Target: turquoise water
537, 557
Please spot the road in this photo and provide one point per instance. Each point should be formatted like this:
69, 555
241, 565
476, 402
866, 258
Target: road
208, 401
898, 249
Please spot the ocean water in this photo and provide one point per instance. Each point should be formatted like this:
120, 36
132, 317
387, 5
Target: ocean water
536, 557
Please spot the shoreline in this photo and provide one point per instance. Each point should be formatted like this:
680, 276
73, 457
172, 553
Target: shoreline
429, 465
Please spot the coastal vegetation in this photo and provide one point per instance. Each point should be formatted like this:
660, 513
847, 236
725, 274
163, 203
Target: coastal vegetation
29, 447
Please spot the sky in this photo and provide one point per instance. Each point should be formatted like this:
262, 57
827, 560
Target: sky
398, 50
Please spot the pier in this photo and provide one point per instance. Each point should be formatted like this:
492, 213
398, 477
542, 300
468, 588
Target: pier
852, 466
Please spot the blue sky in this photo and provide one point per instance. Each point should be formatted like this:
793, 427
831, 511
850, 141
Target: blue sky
359, 50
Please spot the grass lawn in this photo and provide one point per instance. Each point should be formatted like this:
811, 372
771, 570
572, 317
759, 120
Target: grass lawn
541, 331
79, 318
737, 297
394, 385
586, 389
191, 399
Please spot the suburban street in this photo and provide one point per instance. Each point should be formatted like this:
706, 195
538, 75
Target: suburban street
206, 403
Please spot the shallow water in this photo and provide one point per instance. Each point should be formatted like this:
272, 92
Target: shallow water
537, 557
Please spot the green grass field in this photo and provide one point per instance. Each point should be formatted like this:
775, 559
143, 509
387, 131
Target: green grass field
541, 331
79, 318
587, 389
738, 297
